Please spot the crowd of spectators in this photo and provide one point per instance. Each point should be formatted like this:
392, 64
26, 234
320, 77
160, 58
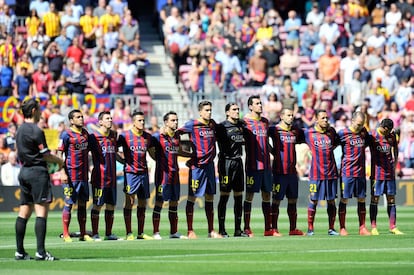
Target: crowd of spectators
338, 55
61, 51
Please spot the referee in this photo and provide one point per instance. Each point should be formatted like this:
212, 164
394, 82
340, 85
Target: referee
34, 180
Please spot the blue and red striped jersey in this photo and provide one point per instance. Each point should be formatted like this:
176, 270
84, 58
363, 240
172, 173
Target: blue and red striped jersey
104, 149
322, 145
257, 144
284, 152
166, 149
75, 145
382, 156
353, 152
203, 140
135, 147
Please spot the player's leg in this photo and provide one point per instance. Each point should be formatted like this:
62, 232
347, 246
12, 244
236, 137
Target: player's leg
143, 195
377, 189
41, 210
279, 189
391, 208
194, 185
313, 202
292, 194
82, 221
25, 211
109, 221
128, 204
98, 202
361, 208
347, 187
69, 193
221, 212
210, 191
156, 213
331, 187
247, 209
266, 210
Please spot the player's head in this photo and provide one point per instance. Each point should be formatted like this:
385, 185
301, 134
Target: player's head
105, 119
171, 120
204, 109
286, 116
138, 120
322, 119
76, 118
232, 111
358, 121
31, 109
255, 104
387, 125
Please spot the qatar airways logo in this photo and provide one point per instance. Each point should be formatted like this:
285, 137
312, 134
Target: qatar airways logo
81, 146
358, 142
324, 143
260, 133
206, 133
383, 149
237, 138
172, 149
138, 148
288, 139
108, 149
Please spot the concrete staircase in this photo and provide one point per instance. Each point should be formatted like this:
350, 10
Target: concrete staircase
160, 80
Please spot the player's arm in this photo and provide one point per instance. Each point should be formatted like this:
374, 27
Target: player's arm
185, 149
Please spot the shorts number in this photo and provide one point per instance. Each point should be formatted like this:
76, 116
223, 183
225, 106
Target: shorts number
160, 189
312, 188
250, 181
98, 193
67, 191
276, 188
195, 184
225, 180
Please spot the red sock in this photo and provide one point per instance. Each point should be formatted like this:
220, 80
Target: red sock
156, 216
266, 215
209, 208
362, 212
141, 219
331, 215
189, 212
173, 217
82, 219
275, 215
95, 221
293, 215
127, 220
342, 214
311, 215
66, 216
247, 211
109, 221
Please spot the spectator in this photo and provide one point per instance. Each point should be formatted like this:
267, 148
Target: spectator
40, 6
378, 16
78, 81
10, 171
139, 55
75, 51
22, 84
99, 81
299, 85
42, 80
347, 67
6, 78
229, 63
100, 9
117, 81
51, 21
330, 30
272, 108
292, 26
319, 49
130, 71
390, 82
54, 56
308, 40
406, 148
400, 41
89, 25
355, 91
55, 118
63, 88
8, 19
111, 38
35, 53
63, 41
289, 99
289, 61
77, 10
181, 39
315, 17
129, 32
359, 45
403, 70
109, 18
257, 67
329, 66
371, 63
70, 22
392, 17
357, 22
403, 93
8, 50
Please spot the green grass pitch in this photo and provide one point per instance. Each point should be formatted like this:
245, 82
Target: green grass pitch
320, 254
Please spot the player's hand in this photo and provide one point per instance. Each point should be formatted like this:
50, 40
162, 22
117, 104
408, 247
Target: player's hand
63, 177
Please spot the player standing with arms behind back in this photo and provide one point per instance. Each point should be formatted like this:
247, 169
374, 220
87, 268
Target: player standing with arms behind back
258, 169
74, 143
354, 139
230, 167
384, 155
285, 179
202, 177
34, 181
322, 140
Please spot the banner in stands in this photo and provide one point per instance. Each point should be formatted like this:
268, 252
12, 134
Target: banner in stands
10, 196
10, 105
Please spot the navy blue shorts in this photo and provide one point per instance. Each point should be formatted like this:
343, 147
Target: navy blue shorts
35, 185
258, 180
202, 180
285, 185
168, 191
104, 195
74, 191
353, 187
381, 187
137, 184
323, 189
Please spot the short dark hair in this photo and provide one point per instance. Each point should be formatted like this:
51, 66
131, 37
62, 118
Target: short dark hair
28, 106
167, 115
101, 114
387, 123
250, 100
137, 113
72, 113
228, 106
317, 112
204, 103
